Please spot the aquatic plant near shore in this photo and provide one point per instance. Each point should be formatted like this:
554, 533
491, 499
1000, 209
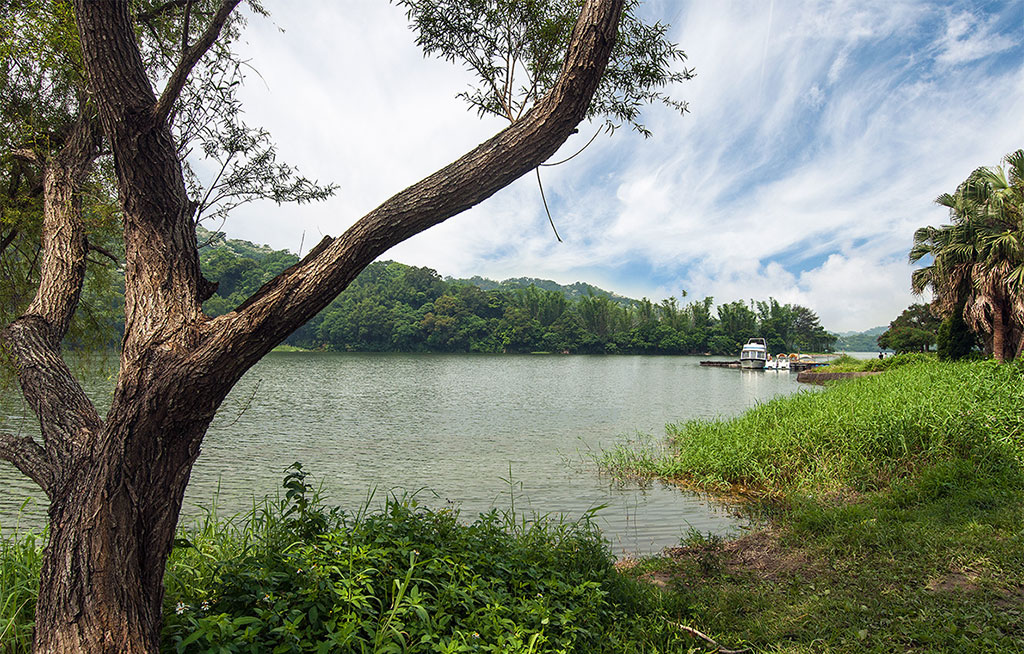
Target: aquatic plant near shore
860, 434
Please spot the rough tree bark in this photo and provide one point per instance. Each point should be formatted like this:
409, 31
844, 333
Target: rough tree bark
116, 485
998, 334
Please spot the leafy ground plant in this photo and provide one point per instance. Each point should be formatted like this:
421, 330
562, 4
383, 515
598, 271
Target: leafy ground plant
294, 577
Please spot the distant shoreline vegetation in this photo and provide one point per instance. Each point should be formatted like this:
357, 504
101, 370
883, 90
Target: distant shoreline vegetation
392, 307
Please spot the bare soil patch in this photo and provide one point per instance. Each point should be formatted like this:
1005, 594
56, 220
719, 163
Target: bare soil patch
761, 554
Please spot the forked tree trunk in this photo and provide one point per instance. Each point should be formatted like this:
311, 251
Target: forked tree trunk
116, 485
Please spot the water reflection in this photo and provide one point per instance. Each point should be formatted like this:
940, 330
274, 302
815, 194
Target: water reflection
456, 425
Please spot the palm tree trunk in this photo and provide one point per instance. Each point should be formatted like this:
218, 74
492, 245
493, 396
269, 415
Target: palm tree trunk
998, 335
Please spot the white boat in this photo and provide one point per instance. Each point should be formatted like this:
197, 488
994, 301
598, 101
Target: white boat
780, 362
754, 354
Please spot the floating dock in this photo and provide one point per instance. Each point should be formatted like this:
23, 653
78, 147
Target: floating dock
800, 366
721, 364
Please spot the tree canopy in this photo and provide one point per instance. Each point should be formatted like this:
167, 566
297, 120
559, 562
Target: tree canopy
516, 48
914, 330
975, 264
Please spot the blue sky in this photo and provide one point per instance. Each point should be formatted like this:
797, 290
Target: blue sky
818, 136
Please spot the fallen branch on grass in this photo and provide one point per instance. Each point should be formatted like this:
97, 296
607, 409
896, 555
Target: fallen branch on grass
708, 639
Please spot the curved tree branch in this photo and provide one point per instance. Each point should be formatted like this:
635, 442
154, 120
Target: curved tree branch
28, 457
105, 252
190, 57
289, 300
62, 270
67, 419
66, 416
27, 155
8, 238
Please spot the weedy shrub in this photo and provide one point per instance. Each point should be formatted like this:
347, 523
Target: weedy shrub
292, 576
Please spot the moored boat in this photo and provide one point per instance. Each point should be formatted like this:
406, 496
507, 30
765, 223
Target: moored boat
754, 354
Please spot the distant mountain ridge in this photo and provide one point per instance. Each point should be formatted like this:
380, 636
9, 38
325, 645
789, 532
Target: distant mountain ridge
865, 341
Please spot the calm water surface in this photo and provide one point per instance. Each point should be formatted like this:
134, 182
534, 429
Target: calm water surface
451, 427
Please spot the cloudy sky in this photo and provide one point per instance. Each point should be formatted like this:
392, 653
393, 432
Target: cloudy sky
818, 136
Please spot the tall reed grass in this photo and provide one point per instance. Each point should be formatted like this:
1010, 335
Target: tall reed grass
860, 434
20, 562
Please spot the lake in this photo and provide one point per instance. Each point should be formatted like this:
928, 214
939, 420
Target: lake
457, 430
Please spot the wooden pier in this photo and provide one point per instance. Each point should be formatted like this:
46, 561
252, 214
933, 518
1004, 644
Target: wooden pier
721, 364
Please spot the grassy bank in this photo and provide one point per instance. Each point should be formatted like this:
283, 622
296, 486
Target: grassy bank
894, 513
846, 363
860, 435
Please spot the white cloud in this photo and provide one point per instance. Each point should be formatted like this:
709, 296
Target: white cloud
828, 160
969, 38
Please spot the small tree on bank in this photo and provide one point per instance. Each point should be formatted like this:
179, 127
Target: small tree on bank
954, 340
116, 483
913, 331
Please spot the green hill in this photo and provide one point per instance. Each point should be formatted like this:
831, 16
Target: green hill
571, 291
866, 341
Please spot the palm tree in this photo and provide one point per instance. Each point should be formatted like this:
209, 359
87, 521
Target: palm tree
977, 261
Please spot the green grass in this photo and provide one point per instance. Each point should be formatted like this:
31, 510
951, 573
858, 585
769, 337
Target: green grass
846, 363
934, 565
894, 505
20, 560
860, 434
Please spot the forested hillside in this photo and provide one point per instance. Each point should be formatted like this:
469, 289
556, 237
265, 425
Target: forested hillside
866, 341
570, 291
395, 307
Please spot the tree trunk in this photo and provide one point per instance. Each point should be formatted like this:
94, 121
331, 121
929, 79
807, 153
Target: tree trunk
112, 523
998, 334
116, 486
102, 589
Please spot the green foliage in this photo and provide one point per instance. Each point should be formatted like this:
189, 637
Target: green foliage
913, 331
21, 557
293, 576
862, 434
515, 48
394, 307
955, 340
